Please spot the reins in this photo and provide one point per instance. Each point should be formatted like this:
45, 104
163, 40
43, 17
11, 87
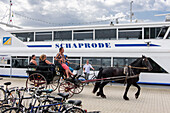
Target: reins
120, 65
110, 79
137, 67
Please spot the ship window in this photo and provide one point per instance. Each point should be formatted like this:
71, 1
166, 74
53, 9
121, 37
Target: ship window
19, 62
168, 37
83, 35
25, 37
50, 59
156, 68
162, 32
37, 59
98, 62
62, 35
122, 62
74, 62
105, 34
146, 33
4, 60
130, 34
152, 33
43, 36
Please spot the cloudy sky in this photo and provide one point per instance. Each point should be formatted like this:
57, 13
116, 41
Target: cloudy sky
49, 13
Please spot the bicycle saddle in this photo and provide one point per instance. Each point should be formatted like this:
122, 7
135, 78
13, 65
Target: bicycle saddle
64, 95
75, 102
7, 83
58, 99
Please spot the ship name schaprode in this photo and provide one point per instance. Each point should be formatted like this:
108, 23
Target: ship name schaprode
83, 45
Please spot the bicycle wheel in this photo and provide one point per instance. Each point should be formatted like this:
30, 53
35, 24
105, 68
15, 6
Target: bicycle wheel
52, 107
75, 110
13, 110
44, 103
13, 97
4, 107
2, 95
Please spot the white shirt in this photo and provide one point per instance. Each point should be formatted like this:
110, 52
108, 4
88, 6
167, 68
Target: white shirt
87, 68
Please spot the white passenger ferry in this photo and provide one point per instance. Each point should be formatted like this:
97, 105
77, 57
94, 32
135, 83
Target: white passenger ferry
104, 45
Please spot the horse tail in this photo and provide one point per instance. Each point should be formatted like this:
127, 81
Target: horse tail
97, 84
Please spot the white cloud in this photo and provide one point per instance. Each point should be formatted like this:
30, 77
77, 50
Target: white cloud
78, 11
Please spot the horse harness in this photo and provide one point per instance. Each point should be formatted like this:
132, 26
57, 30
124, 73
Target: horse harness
128, 71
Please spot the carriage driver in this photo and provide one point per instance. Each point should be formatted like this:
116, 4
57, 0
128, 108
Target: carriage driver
61, 59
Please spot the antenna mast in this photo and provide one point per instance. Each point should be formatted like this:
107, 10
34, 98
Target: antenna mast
10, 13
131, 13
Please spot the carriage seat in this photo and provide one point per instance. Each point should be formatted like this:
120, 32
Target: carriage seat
58, 65
39, 69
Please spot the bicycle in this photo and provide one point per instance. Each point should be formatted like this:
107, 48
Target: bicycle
92, 76
8, 95
45, 104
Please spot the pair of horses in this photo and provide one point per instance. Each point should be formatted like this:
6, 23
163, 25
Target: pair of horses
131, 76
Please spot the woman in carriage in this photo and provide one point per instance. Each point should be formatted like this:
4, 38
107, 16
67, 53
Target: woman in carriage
61, 59
43, 60
33, 61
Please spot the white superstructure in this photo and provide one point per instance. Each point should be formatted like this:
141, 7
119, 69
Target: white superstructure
104, 45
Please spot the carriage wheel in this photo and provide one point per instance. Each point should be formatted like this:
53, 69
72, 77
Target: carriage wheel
68, 87
79, 88
54, 83
36, 80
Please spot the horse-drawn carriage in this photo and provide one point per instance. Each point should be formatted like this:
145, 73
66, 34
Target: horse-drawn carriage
52, 77
43, 76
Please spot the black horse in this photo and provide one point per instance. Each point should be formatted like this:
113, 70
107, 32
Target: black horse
131, 77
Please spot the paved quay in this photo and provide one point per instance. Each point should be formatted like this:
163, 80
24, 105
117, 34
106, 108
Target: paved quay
152, 99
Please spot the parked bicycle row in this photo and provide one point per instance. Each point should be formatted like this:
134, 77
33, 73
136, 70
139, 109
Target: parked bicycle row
36, 100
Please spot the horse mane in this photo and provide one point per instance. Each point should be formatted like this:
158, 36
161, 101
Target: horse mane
135, 62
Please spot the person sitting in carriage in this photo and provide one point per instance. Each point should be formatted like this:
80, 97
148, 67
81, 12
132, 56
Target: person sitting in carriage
61, 59
44, 62
68, 62
33, 62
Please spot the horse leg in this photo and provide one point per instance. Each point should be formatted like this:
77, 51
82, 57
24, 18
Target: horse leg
138, 92
101, 89
126, 91
96, 87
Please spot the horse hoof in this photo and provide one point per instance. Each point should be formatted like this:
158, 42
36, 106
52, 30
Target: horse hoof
136, 96
126, 98
98, 94
103, 96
